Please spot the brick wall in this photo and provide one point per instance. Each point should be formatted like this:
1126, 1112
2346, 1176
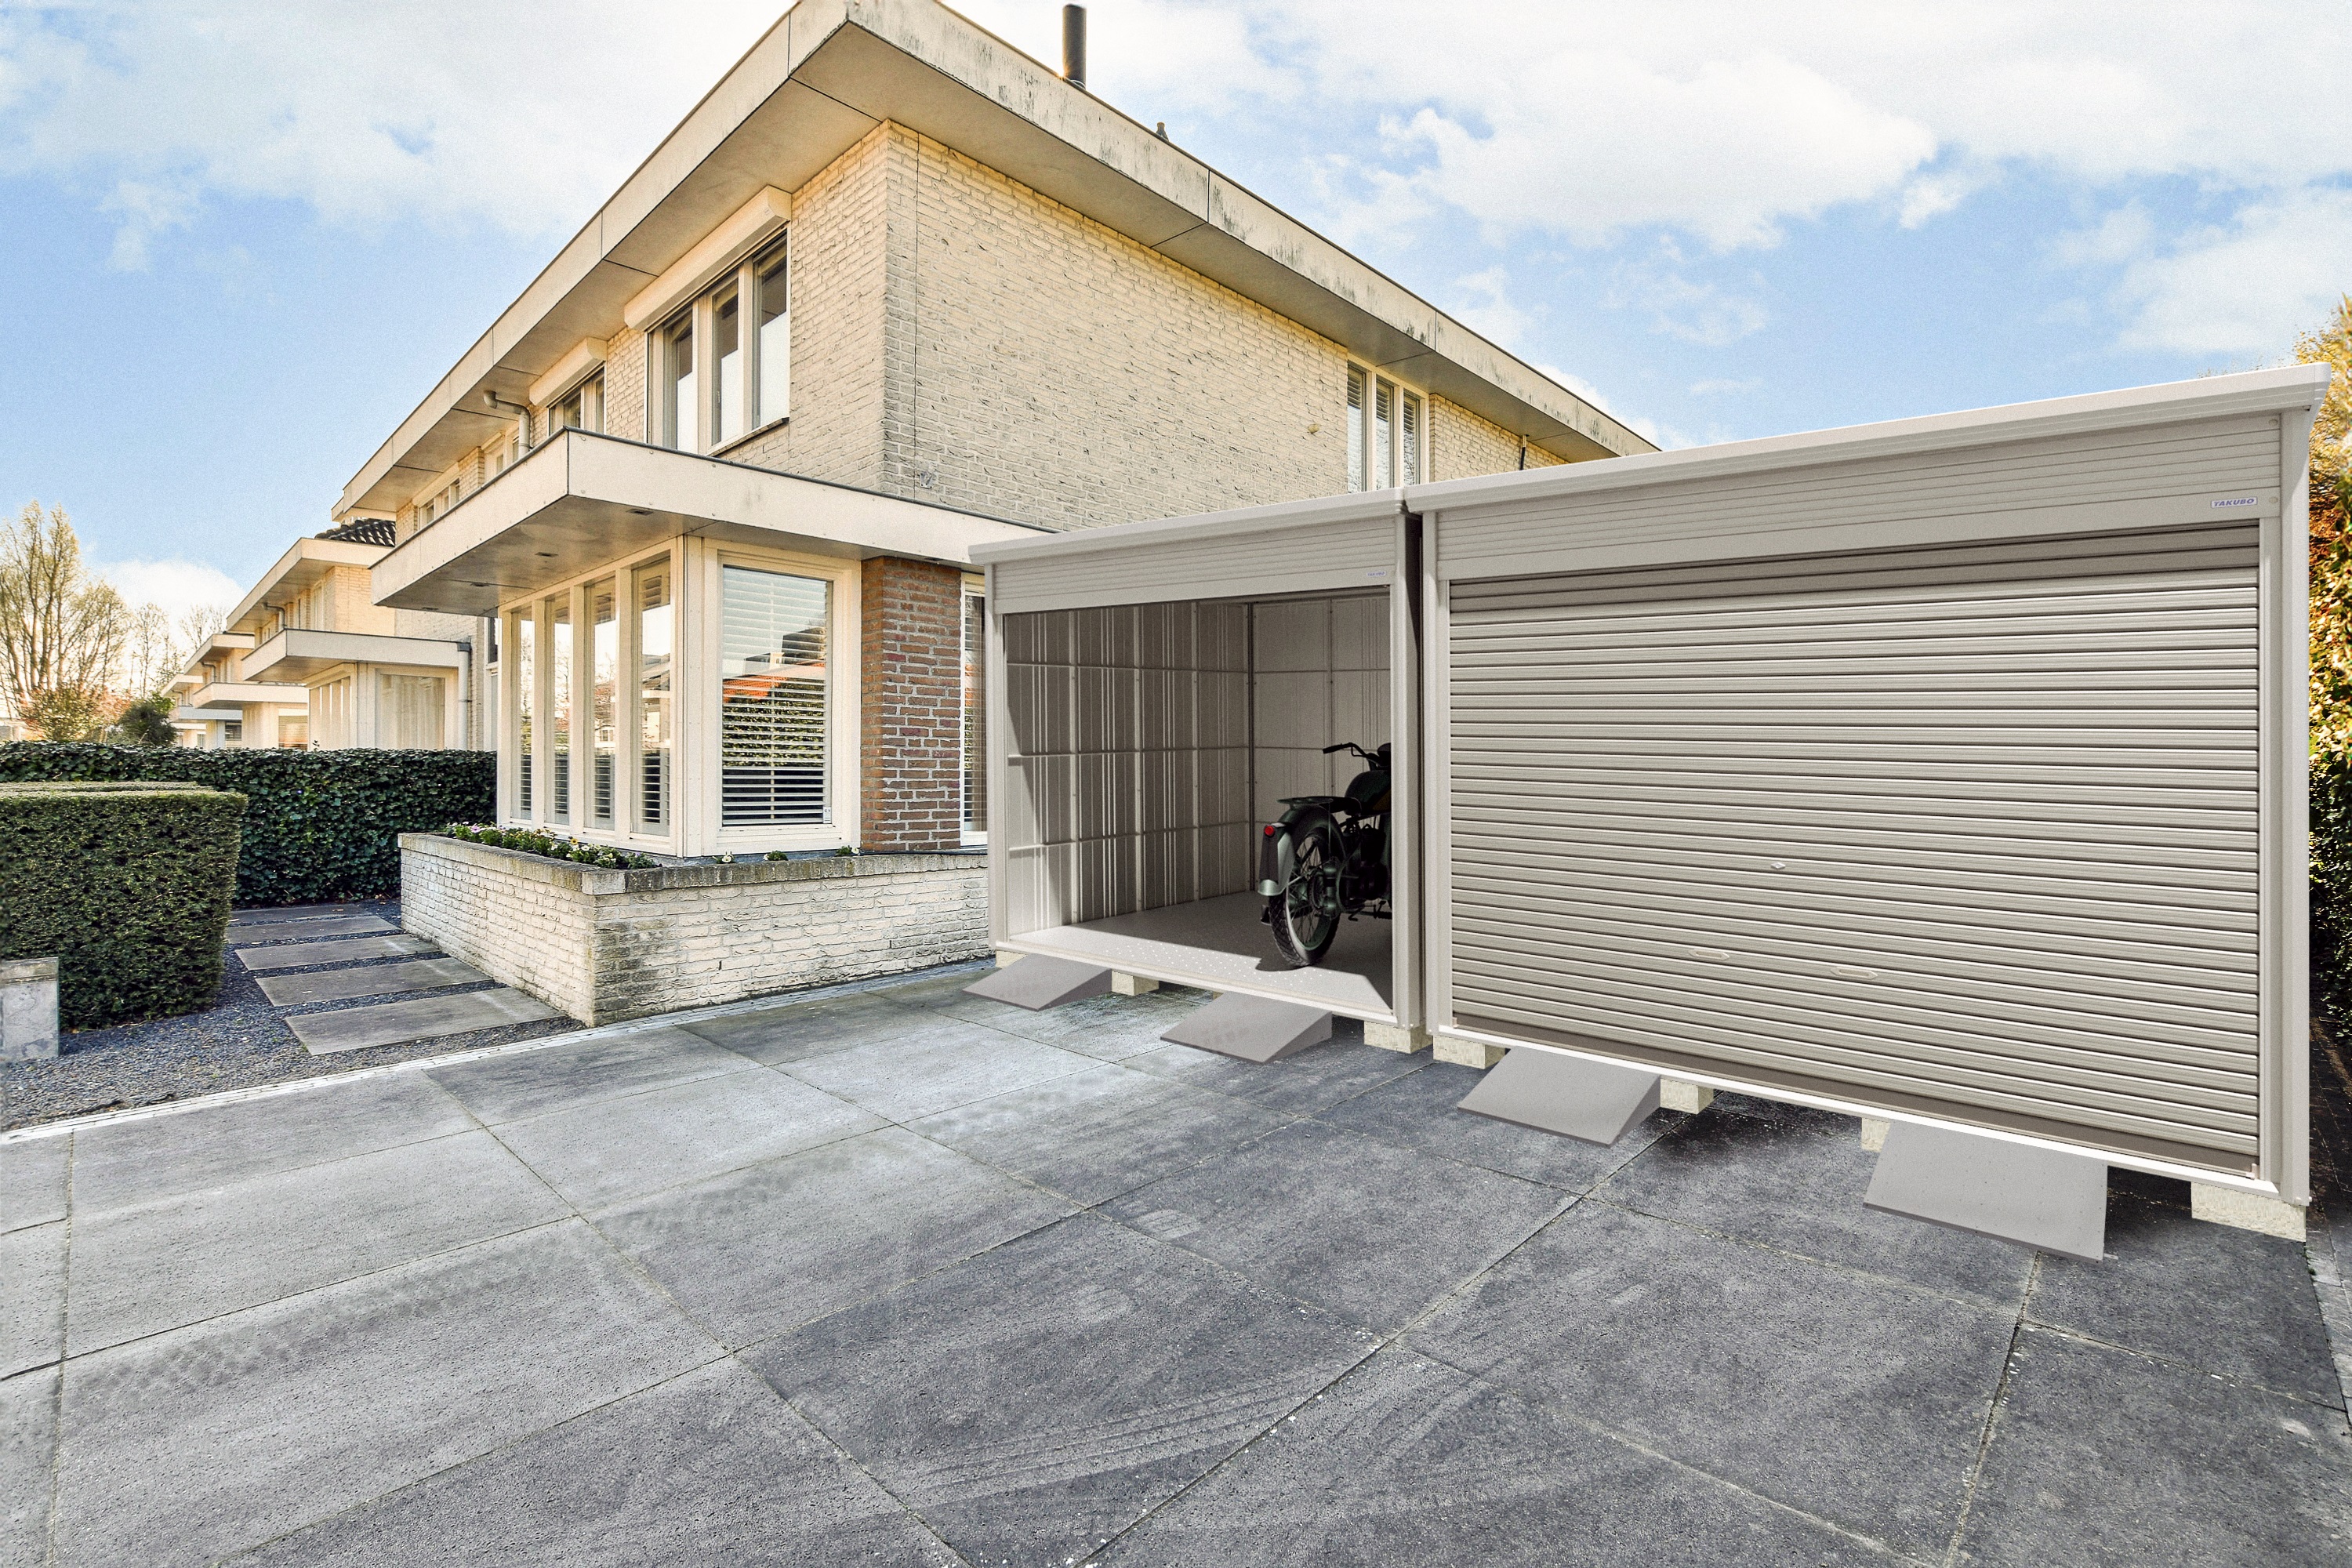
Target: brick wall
1463, 445
609, 945
911, 672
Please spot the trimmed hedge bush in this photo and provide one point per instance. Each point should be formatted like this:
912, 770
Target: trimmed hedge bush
128, 885
322, 826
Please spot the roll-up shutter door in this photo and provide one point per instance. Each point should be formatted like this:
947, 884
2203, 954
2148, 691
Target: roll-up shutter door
1969, 831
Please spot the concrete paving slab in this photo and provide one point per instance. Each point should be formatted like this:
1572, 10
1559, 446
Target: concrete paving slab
426, 1018
1855, 1400
561, 1077
792, 1032
140, 1162
1095, 1134
143, 1269
1313, 1080
28, 1427
710, 1470
369, 979
767, 1248
906, 1077
1033, 1401
1420, 1110
272, 916
614, 1149
2230, 1302
1370, 1231
2105, 1459
32, 1182
1795, 1180
1409, 1464
335, 925
1109, 1028
350, 950
32, 1297
208, 1441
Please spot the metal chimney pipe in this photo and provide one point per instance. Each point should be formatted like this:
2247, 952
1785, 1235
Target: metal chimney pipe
1074, 46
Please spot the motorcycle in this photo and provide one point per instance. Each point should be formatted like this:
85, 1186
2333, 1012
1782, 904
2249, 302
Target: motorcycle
1326, 859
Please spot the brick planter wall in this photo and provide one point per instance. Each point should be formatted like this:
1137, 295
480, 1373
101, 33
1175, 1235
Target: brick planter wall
609, 945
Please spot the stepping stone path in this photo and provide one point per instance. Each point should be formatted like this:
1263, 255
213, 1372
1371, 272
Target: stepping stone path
348, 942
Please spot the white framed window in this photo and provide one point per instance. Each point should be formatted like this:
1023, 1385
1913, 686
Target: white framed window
724, 362
1387, 432
775, 724
653, 712
974, 762
581, 408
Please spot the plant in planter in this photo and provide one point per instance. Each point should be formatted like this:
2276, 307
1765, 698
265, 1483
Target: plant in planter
531, 841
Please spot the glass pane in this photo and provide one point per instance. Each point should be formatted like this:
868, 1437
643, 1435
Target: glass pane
1383, 438
524, 689
605, 733
975, 715
1355, 429
1410, 439
771, 705
559, 708
652, 696
592, 403
679, 426
775, 339
727, 327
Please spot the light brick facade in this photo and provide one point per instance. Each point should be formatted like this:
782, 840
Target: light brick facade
609, 945
912, 670
1462, 445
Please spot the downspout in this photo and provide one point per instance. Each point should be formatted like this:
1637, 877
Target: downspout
465, 692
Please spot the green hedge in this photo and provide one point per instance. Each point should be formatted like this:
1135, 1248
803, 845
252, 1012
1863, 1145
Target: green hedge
322, 826
127, 885
2331, 887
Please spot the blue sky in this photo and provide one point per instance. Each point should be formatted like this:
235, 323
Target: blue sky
237, 252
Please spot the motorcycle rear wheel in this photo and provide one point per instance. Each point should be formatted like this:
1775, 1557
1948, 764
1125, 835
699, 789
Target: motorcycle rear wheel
1305, 914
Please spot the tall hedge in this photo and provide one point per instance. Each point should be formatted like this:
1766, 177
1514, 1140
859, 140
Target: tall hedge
127, 886
321, 825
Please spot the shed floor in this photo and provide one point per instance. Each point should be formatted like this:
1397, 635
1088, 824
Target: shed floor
1218, 944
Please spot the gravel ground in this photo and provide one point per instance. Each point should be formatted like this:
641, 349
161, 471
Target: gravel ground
241, 1040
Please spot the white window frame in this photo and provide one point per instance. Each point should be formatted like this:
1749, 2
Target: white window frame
696, 745
974, 588
661, 421
1360, 424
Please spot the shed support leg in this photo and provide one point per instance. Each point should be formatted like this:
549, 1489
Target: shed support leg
1675, 1094
1466, 1053
1131, 984
1873, 1133
1395, 1037
2044, 1198
2247, 1211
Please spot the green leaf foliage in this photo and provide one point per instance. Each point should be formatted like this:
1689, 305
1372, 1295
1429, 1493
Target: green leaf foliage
322, 826
127, 886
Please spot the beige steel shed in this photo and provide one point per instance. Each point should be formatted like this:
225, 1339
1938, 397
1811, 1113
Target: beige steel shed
1154, 689
1948, 772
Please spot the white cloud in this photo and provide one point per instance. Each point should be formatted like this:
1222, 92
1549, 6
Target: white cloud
2119, 237
1498, 318
176, 585
1717, 387
1696, 312
2245, 288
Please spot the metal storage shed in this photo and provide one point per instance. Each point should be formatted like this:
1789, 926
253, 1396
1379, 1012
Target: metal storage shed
1153, 688
1948, 771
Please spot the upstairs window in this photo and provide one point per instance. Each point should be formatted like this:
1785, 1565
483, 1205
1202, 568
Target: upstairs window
581, 408
725, 359
1386, 426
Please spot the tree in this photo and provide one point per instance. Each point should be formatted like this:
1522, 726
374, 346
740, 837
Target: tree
146, 721
2331, 536
62, 631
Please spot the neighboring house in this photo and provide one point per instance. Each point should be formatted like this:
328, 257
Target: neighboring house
892, 291
309, 659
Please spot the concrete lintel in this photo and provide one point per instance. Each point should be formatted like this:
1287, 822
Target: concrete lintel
1251, 1028
1041, 982
1396, 1038
2045, 1198
2246, 1211
1131, 984
1594, 1103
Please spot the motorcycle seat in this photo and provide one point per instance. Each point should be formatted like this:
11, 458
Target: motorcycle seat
1327, 802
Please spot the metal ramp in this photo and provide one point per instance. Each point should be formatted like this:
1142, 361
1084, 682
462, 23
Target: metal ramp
1595, 1102
1251, 1028
2044, 1198
1039, 983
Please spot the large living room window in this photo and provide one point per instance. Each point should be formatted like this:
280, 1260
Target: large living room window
775, 636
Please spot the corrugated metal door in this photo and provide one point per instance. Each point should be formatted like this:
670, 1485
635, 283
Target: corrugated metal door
1970, 830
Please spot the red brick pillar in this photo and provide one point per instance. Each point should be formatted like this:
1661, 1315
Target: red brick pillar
911, 667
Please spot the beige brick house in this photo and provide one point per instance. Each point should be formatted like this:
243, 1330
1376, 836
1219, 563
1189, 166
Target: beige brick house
308, 659
893, 289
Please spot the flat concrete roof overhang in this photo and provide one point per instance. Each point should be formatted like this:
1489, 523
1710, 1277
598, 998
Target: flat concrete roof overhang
304, 563
207, 715
583, 501
244, 691
827, 73
298, 654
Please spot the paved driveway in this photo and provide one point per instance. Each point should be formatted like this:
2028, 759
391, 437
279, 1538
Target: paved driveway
902, 1277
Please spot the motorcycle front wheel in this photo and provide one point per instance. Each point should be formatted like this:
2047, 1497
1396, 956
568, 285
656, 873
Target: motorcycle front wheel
1305, 914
